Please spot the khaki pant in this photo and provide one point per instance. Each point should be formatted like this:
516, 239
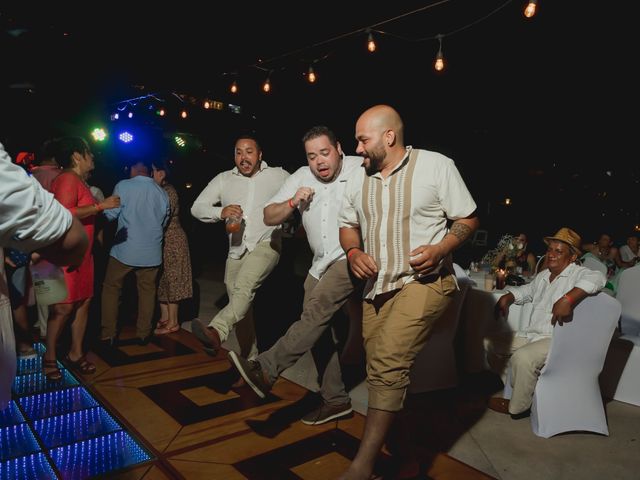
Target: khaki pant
527, 359
322, 299
395, 327
111, 287
242, 277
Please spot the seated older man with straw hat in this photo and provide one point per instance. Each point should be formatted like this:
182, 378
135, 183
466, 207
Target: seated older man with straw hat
554, 293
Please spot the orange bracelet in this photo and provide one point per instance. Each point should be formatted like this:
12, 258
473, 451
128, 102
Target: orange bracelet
568, 298
351, 251
291, 203
98, 207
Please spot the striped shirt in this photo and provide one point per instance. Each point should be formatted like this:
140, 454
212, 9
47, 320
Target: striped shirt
399, 213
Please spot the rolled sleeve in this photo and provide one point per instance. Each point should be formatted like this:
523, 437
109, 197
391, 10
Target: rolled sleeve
591, 281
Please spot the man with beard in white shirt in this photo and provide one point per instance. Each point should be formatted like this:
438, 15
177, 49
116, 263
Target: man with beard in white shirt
238, 197
316, 191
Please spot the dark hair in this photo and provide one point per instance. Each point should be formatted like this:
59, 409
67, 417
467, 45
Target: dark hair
47, 151
319, 131
249, 136
144, 162
162, 165
64, 148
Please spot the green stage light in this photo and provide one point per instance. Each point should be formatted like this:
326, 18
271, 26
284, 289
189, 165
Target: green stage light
99, 134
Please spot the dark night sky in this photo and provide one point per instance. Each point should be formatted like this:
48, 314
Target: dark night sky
523, 107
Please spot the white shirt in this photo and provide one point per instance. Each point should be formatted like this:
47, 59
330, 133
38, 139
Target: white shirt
30, 218
319, 217
627, 254
408, 209
543, 294
251, 193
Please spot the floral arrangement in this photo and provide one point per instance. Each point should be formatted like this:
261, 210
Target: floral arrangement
509, 247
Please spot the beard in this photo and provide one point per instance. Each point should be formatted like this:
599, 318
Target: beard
376, 156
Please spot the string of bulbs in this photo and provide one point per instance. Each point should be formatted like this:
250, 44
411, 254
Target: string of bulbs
439, 62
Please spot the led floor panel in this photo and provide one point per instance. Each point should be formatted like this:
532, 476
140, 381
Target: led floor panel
58, 430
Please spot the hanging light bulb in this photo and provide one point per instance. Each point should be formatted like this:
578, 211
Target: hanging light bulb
234, 87
184, 114
371, 44
530, 9
207, 104
266, 86
439, 63
311, 75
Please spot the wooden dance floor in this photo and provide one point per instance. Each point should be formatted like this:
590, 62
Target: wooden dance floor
168, 411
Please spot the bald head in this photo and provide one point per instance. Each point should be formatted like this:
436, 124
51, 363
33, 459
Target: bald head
380, 136
383, 118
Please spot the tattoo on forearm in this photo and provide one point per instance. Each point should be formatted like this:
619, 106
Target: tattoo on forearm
461, 231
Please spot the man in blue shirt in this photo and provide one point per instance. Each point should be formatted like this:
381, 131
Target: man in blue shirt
143, 212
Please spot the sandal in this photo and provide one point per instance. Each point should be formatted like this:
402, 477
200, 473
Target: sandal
82, 365
162, 323
54, 375
164, 330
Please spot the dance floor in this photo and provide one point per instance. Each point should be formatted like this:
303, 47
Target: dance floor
166, 410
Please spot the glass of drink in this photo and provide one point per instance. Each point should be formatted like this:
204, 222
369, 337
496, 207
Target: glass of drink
233, 223
488, 281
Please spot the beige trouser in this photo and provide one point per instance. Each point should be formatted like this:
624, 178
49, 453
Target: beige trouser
527, 359
242, 277
395, 326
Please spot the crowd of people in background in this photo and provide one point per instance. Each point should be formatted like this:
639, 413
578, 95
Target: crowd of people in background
382, 227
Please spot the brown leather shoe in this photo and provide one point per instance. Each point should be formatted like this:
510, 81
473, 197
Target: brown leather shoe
207, 335
500, 405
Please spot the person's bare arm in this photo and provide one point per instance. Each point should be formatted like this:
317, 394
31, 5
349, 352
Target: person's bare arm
426, 257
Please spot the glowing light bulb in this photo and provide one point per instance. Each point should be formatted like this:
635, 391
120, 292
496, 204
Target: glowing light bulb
311, 76
184, 114
371, 44
439, 64
234, 87
530, 9
266, 86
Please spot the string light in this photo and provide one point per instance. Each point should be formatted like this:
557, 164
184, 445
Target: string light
234, 87
530, 9
371, 44
184, 114
266, 86
311, 75
439, 63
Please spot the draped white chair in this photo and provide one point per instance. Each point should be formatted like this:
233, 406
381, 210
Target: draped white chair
435, 366
567, 396
628, 294
591, 262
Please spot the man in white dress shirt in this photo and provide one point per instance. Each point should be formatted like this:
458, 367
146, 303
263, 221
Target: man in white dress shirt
30, 219
554, 293
254, 248
316, 192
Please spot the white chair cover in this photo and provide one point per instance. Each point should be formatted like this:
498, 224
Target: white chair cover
591, 262
628, 294
435, 366
567, 396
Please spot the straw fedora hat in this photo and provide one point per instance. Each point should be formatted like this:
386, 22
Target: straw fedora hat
569, 237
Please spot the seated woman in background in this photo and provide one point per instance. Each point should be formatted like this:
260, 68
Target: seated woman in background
523, 259
604, 251
629, 254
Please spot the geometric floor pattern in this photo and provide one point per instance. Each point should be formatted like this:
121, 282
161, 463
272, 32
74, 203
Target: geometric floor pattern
54, 430
167, 410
